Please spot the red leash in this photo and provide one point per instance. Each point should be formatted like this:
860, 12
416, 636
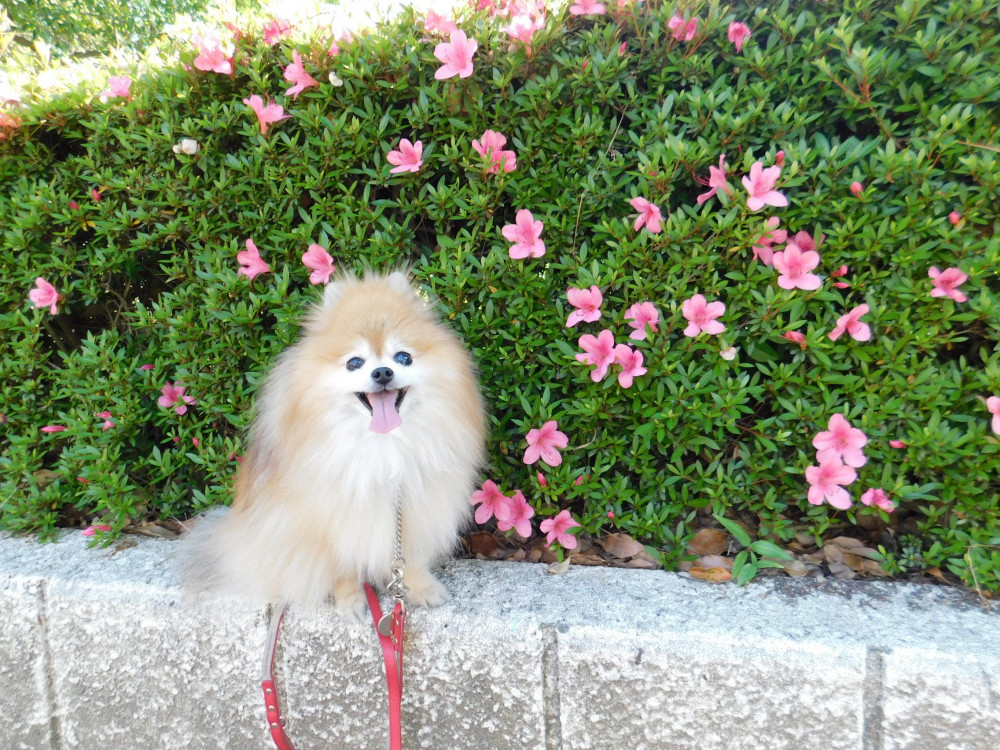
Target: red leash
390, 636
275, 723
389, 629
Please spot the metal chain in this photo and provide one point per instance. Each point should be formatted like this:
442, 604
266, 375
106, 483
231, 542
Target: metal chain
396, 587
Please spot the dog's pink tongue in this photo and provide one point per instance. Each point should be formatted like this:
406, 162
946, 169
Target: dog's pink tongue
385, 418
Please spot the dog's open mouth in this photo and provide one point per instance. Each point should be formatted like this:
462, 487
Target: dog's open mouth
384, 408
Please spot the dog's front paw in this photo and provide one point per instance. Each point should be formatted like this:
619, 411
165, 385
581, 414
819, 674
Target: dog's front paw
426, 591
349, 598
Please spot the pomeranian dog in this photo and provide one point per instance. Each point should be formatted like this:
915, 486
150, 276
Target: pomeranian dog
377, 404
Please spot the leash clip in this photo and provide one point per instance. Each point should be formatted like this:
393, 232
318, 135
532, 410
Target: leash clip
397, 589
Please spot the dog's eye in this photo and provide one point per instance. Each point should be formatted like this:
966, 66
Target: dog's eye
403, 358
354, 363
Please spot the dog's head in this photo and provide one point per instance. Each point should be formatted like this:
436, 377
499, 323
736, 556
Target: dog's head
378, 353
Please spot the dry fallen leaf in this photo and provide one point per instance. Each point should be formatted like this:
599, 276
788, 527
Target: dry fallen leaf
796, 568
151, 528
622, 546
482, 543
643, 560
558, 568
712, 575
841, 571
588, 557
713, 561
708, 542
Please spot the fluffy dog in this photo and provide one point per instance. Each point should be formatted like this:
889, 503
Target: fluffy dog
377, 404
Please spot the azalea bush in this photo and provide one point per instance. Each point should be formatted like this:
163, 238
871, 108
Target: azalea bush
717, 265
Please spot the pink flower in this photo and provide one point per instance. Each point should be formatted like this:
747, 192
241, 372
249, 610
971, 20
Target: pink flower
251, 264
438, 23
897, 444
946, 283
683, 32
147, 367
174, 394
954, 217
796, 338
878, 498
275, 29
408, 158
587, 8
7, 121
45, 295
545, 443
108, 424
716, 181
738, 33
857, 189
825, 484
520, 515
523, 27
91, 530
492, 503
993, 407
526, 234
806, 242
542, 481
760, 186
491, 146
599, 351
851, 323
587, 303
639, 316
211, 58
319, 261
701, 316
117, 86
649, 215
95, 194
631, 363
54, 428
841, 443
266, 114
556, 529
842, 271
795, 267
762, 250
295, 73
456, 56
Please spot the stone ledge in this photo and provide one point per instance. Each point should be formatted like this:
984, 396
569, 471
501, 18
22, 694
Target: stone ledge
98, 649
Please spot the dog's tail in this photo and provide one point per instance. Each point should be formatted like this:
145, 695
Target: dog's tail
198, 559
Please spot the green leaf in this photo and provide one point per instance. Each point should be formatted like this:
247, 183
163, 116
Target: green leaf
738, 532
769, 549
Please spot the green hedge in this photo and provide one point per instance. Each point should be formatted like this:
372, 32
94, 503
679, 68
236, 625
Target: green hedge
902, 98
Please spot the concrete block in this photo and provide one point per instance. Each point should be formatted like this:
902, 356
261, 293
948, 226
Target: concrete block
660, 691
935, 701
24, 696
131, 665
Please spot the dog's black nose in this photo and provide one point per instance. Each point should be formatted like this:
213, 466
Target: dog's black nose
382, 375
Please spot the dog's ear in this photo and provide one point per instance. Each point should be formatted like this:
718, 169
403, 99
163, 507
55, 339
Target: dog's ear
399, 281
334, 291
